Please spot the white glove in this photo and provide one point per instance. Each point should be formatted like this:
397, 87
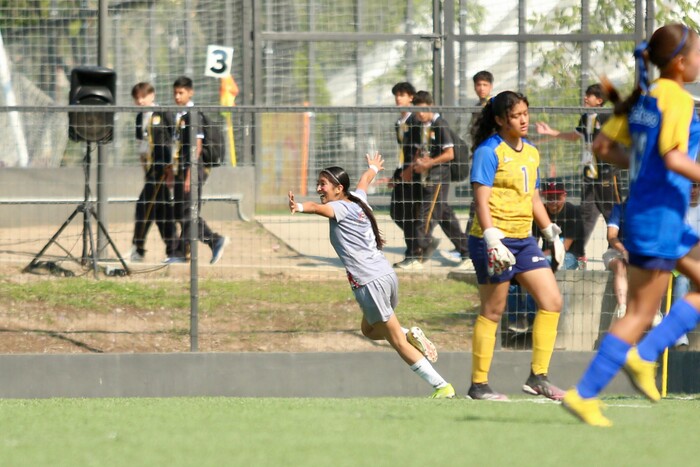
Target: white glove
551, 233
500, 259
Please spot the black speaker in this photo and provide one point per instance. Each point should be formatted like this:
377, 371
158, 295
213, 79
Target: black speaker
92, 86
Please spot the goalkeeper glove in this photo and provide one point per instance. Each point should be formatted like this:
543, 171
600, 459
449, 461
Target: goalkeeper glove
551, 233
500, 259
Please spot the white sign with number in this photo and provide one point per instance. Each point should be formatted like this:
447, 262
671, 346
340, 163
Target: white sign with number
219, 59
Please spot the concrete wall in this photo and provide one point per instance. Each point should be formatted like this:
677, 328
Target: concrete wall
68, 182
328, 374
360, 374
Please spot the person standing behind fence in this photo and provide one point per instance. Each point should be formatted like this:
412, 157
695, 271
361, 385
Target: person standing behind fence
600, 190
505, 179
434, 150
355, 237
568, 217
615, 260
405, 194
483, 87
154, 133
658, 121
183, 90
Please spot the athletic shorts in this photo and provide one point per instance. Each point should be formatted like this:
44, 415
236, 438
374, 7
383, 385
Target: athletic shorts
689, 238
652, 262
528, 257
378, 298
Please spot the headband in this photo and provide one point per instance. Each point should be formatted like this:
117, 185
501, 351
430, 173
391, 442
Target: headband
680, 45
333, 177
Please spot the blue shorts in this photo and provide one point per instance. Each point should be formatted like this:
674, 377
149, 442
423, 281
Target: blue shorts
652, 262
528, 257
688, 239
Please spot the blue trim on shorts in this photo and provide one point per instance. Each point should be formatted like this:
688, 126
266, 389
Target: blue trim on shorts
528, 257
652, 262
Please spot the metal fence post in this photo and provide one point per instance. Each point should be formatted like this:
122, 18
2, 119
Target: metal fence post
193, 235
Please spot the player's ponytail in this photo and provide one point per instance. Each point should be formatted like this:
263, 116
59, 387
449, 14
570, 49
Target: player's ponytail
665, 44
339, 177
497, 106
484, 124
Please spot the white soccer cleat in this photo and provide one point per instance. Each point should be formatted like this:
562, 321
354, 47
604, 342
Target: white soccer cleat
417, 339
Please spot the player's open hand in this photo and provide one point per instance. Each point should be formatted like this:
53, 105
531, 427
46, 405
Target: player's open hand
544, 129
376, 160
292, 203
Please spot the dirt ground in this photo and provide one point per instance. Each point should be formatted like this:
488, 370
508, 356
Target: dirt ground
254, 253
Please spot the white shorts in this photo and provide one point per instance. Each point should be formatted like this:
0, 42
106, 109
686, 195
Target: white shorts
610, 255
378, 298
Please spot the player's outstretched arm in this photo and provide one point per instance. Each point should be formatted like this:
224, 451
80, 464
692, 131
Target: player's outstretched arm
309, 207
375, 163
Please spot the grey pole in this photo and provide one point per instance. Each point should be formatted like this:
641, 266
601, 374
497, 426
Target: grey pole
101, 150
194, 196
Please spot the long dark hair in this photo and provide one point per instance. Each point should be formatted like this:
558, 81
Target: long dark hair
339, 177
485, 124
665, 44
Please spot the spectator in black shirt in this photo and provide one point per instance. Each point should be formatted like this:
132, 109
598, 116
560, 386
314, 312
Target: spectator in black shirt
568, 217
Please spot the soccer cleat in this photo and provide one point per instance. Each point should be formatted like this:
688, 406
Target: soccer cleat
539, 385
217, 250
430, 249
409, 264
417, 339
587, 410
642, 375
445, 392
482, 392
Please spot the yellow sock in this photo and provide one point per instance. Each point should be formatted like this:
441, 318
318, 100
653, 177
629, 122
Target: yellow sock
483, 343
544, 334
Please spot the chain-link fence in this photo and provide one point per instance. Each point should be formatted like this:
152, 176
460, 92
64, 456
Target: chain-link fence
312, 88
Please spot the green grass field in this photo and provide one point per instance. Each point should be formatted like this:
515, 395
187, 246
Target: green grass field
340, 432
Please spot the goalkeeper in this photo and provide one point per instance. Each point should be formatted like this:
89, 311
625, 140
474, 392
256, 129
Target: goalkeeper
505, 180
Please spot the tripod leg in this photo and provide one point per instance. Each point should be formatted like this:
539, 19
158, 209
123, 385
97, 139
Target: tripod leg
87, 225
111, 243
53, 239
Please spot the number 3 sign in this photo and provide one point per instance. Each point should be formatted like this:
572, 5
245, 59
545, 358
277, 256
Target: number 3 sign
219, 60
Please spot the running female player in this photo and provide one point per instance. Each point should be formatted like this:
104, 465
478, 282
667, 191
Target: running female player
658, 122
355, 236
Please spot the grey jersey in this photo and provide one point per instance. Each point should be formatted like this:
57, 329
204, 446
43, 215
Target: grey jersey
353, 240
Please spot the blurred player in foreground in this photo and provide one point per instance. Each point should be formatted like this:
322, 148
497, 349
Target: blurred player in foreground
356, 239
659, 122
505, 179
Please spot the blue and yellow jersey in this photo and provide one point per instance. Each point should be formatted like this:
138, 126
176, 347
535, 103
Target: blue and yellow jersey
513, 177
661, 120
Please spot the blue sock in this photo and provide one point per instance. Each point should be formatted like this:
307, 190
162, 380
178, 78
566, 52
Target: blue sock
681, 319
604, 366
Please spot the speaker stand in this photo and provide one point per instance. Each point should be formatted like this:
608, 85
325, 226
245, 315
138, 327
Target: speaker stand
89, 255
